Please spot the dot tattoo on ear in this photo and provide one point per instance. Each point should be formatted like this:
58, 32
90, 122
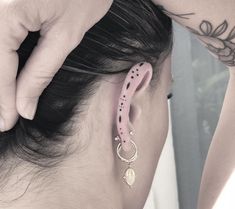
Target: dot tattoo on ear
133, 79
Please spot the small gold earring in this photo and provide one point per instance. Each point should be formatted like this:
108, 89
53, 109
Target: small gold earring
129, 175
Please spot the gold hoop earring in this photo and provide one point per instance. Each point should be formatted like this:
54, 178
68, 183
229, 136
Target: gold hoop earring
129, 175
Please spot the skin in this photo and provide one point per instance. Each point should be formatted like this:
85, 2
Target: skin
58, 39
94, 164
17, 98
217, 185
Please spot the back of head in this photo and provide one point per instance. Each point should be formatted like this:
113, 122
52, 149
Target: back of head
132, 31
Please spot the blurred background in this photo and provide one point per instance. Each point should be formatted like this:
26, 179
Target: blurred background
199, 89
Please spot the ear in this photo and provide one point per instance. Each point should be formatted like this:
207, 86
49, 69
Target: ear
137, 80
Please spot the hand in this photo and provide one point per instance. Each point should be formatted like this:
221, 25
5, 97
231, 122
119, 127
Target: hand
63, 24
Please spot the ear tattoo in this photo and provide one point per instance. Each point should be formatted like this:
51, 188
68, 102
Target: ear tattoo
126, 143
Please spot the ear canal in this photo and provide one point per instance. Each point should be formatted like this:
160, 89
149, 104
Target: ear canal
137, 79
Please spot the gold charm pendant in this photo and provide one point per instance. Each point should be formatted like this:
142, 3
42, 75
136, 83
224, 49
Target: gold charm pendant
129, 175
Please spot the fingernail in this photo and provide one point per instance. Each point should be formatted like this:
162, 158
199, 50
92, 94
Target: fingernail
2, 124
29, 109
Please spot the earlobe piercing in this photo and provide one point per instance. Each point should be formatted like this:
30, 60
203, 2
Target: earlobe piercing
129, 175
117, 138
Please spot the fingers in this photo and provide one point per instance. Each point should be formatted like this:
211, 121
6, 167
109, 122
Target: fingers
40, 69
8, 70
19, 17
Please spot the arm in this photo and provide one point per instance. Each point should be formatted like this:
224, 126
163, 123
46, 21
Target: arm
218, 181
214, 24
212, 21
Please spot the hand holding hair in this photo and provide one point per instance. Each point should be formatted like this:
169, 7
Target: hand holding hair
62, 25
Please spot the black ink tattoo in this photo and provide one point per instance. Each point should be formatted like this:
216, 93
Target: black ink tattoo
214, 38
223, 48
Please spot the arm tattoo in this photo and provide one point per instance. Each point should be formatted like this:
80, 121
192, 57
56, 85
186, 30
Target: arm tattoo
213, 37
223, 48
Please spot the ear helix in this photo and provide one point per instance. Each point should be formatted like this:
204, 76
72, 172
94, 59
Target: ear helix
133, 79
132, 83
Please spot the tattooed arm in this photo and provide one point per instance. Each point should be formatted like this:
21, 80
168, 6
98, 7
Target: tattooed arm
213, 21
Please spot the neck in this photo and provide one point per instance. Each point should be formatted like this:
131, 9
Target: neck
87, 179
81, 181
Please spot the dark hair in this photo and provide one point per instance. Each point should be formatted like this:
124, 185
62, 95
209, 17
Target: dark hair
132, 31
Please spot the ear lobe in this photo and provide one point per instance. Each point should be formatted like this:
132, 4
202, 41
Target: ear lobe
137, 80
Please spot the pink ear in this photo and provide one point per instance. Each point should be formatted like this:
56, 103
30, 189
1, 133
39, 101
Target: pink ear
138, 76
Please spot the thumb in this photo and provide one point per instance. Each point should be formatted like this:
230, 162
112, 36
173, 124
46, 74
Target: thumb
45, 60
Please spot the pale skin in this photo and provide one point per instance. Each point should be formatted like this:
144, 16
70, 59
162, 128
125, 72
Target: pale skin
220, 163
62, 24
92, 177
14, 96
